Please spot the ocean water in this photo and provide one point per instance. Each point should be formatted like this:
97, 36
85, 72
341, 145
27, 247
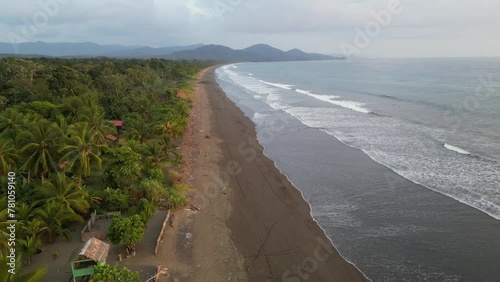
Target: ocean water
415, 194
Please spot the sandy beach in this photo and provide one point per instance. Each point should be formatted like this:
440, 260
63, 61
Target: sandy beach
246, 221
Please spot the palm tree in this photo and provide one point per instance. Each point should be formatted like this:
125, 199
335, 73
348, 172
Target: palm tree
94, 116
139, 130
94, 197
62, 123
176, 117
34, 228
165, 128
36, 275
4, 235
29, 247
71, 106
24, 212
11, 123
170, 148
53, 216
41, 137
59, 188
8, 156
142, 105
135, 146
155, 153
83, 153
26, 188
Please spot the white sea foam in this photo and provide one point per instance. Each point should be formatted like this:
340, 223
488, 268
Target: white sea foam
332, 99
406, 148
273, 99
358, 107
262, 90
278, 85
456, 149
303, 91
230, 73
326, 98
386, 140
259, 116
355, 106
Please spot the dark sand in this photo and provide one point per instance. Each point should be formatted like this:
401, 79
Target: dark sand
253, 225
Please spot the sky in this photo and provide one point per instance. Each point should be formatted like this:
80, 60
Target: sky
371, 28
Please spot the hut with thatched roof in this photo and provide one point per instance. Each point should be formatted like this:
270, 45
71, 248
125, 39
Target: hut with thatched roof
93, 251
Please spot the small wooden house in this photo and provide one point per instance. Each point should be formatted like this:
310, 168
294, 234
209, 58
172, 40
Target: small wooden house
118, 124
93, 252
112, 137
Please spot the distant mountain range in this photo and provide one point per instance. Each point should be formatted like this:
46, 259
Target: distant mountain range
256, 53
87, 49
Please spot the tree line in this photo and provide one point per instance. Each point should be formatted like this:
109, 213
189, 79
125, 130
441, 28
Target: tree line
56, 134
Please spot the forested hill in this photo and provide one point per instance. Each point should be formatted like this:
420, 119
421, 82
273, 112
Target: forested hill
255, 53
61, 134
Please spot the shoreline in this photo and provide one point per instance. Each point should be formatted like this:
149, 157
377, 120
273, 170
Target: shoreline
269, 224
388, 226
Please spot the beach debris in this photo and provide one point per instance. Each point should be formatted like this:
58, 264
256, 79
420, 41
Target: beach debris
159, 271
207, 136
171, 221
163, 204
193, 208
164, 271
201, 131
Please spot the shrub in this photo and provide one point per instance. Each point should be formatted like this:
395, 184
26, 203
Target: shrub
174, 177
150, 189
114, 200
146, 209
156, 174
127, 231
106, 273
176, 198
123, 168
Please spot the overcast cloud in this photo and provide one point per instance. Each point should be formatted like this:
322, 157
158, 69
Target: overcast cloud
424, 28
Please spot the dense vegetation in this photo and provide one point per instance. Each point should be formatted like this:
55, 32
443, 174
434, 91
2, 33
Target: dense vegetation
55, 135
107, 273
127, 231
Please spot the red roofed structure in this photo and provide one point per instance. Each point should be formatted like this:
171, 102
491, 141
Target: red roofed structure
117, 123
111, 137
